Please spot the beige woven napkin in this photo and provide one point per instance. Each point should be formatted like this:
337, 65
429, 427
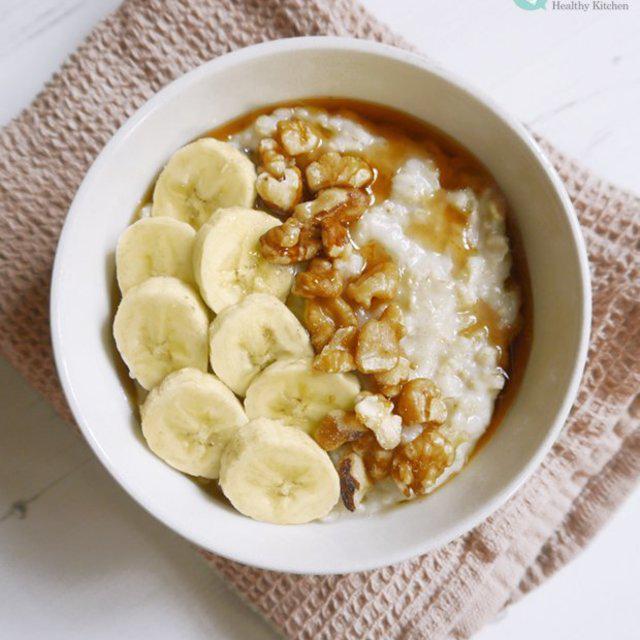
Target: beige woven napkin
448, 593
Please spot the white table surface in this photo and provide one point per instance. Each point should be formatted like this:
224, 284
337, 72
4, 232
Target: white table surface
79, 559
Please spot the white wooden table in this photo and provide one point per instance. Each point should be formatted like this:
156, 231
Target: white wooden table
79, 559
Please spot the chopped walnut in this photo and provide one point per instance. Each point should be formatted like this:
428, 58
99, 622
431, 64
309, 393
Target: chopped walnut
335, 170
322, 318
420, 402
290, 242
320, 280
377, 461
297, 137
335, 237
282, 194
345, 206
377, 348
378, 283
354, 482
390, 382
272, 158
337, 428
418, 464
376, 413
393, 315
337, 355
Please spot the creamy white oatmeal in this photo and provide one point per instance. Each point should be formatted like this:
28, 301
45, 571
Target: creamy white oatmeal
461, 307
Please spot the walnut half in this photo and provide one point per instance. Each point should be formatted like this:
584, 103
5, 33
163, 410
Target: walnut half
333, 169
418, 464
420, 402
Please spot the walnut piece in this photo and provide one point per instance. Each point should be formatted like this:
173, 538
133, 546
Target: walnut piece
297, 137
335, 237
320, 280
390, 382
377, 461
337, 355
290, 242
354, 482
345, 206
281, 194
418, 464
377, 348
393, 315
323, 317
337, 428
376, 413
333, 169
420, 402
272, 158
376, 284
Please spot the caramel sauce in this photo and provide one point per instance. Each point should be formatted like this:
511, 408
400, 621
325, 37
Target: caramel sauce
442, 229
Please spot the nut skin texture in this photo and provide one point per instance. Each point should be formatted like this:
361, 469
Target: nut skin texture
418, 464
297, 137
337, 355
276, 247
333, 169
420, 402
378, 283
377, 349
320, 280
354, 482
337, 428
323, 317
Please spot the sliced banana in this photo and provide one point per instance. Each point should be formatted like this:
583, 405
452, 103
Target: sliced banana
154, 247
202, 177
161, 326
274, 473
249, 336
188, 420
292, 391
227, 262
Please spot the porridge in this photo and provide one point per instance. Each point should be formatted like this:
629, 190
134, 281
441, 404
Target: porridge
322, 303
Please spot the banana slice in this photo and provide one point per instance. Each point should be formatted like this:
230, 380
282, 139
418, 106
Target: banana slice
277, 474
161, 326
227, 262
291, 391
249, 336
154, 247
188, 420
202, 177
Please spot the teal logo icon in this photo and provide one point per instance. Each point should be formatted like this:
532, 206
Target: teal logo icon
531, 5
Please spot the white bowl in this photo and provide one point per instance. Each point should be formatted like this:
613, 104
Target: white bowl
81, 303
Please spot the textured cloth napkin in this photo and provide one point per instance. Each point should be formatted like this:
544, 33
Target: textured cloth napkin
448, 593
